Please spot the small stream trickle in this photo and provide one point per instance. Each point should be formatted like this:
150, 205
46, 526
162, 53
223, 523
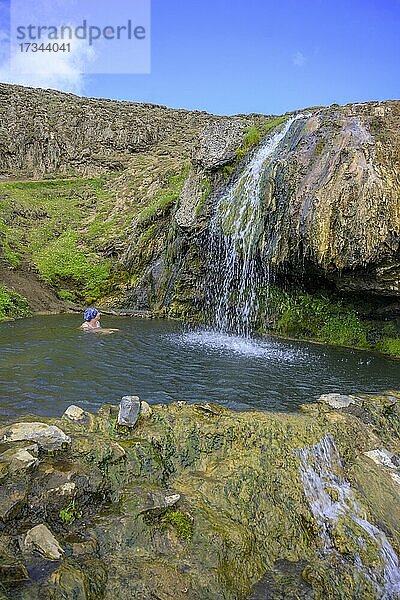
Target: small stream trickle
236, 232
330, 496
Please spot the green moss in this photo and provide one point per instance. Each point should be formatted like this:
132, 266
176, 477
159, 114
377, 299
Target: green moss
69, 514
252, 137
319, 146
206, 189
12, 305
390, 346
182, 522
317, 317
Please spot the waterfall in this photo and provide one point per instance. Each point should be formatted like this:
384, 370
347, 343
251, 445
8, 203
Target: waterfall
236, 231
330, 496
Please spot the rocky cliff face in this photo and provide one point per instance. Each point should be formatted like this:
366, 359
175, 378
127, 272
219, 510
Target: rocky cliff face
330, 197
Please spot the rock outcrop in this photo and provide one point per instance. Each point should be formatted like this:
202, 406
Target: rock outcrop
199, 502
330, 196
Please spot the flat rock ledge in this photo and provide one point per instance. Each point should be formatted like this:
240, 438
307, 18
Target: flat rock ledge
48, 437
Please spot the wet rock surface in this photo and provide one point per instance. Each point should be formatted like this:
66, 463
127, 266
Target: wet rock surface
200, 504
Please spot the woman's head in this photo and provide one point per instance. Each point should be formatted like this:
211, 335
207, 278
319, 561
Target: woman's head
90, 314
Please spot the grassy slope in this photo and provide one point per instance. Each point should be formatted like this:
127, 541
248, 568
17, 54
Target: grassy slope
70, 233
48, 224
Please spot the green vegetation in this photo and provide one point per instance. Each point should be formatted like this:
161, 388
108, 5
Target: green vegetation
206, 189
12, 305
62, 261
389, 346
59, 226
252, 138
70, 514
299, 314
182, 522
164, 200
319, 146
325, 317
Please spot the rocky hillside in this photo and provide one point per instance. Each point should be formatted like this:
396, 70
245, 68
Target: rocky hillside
111, 202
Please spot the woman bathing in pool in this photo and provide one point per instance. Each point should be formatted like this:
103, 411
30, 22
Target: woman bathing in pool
92, 322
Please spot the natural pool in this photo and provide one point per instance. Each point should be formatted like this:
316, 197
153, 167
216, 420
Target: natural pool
48, 364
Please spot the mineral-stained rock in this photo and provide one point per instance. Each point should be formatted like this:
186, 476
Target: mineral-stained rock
129, 410
41, 539
49, 437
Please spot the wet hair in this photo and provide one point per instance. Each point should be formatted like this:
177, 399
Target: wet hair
90, 313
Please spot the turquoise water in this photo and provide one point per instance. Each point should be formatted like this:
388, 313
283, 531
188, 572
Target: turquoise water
48, 364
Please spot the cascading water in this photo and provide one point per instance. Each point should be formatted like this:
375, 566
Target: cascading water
236, 231
330, 497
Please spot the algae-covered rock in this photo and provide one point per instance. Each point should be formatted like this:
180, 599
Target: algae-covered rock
78, 581
202, 503
13, 498
18, 459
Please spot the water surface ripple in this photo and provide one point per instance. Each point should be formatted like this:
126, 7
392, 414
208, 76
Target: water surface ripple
48, 364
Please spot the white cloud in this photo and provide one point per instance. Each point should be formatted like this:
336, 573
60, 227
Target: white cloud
57, 70
299, 59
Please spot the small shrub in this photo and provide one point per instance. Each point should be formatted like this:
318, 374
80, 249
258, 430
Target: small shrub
12, 305
70, 514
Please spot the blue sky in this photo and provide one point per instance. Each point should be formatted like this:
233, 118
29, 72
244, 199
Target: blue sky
262, 56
